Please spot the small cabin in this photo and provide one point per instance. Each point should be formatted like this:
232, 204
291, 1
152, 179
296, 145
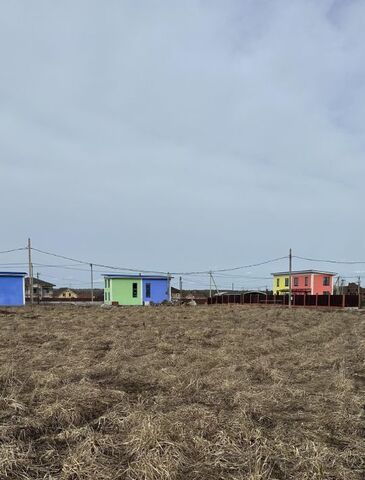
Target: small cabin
136, 289
12, 289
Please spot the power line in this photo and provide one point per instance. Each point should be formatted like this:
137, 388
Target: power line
219, 272
13, 264
63, 267
248, 277
109, 267
231, 269
59, 256
344, 262
14, 250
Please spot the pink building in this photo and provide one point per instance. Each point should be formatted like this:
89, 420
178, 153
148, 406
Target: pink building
312, 282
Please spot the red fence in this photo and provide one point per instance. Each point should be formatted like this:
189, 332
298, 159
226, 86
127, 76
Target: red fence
338, 301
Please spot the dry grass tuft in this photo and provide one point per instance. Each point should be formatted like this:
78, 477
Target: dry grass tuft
229, 393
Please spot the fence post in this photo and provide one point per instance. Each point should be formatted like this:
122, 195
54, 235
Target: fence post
343, 301
316, 300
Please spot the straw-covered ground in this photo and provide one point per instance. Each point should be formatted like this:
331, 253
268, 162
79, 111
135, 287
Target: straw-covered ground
226, 392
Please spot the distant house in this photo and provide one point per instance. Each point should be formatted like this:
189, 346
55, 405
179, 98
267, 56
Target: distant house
312, 282
200, 296
85, 294
175, 293
65, 293
136, 289
80, 294
352, 289
12, 289
41, 289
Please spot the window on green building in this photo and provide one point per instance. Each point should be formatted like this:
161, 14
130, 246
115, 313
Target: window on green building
278, 282
287, 282
135, 290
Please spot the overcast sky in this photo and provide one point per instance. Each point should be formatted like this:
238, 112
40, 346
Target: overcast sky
172, 135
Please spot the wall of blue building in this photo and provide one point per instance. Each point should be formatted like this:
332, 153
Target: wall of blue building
11, 291
159, 290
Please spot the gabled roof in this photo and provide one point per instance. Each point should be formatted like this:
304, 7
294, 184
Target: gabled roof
38, 281
63, 289
305, 272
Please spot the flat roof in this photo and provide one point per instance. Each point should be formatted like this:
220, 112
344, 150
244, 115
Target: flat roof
304, 272
13, 274
149, 277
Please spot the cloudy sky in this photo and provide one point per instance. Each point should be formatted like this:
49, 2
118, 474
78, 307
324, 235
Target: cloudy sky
171, 135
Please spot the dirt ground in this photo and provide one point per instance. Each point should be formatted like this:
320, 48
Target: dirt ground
182, 393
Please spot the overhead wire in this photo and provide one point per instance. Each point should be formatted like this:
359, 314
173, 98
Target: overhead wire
108, 267
341, 262
14, 250
222, 272
232, 268
127, 269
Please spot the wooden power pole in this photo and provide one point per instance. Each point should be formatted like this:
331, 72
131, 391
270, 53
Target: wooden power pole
169, 285
30, 268
290, 274
359, 290
181, 289
92, 282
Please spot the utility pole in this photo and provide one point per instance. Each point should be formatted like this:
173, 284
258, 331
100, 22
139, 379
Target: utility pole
169, 285
30, 268
232, 287
213, 280
210, 284
359, 290
181, 289
337, 286
290, 274
92, 282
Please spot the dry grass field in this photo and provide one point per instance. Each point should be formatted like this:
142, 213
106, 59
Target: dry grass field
181, 393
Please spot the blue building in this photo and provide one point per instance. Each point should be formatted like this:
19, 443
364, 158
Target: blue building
12, 289
136, 289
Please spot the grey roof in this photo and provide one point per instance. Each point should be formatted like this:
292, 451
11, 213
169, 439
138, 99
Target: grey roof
132, 277
304, 272
38, 281
12, 274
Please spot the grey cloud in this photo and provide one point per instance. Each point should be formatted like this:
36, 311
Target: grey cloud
181, 135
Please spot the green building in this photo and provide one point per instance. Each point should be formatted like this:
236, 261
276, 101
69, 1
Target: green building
136, 289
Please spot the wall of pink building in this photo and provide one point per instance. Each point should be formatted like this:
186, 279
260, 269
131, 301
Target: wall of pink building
318, 287
301, 283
